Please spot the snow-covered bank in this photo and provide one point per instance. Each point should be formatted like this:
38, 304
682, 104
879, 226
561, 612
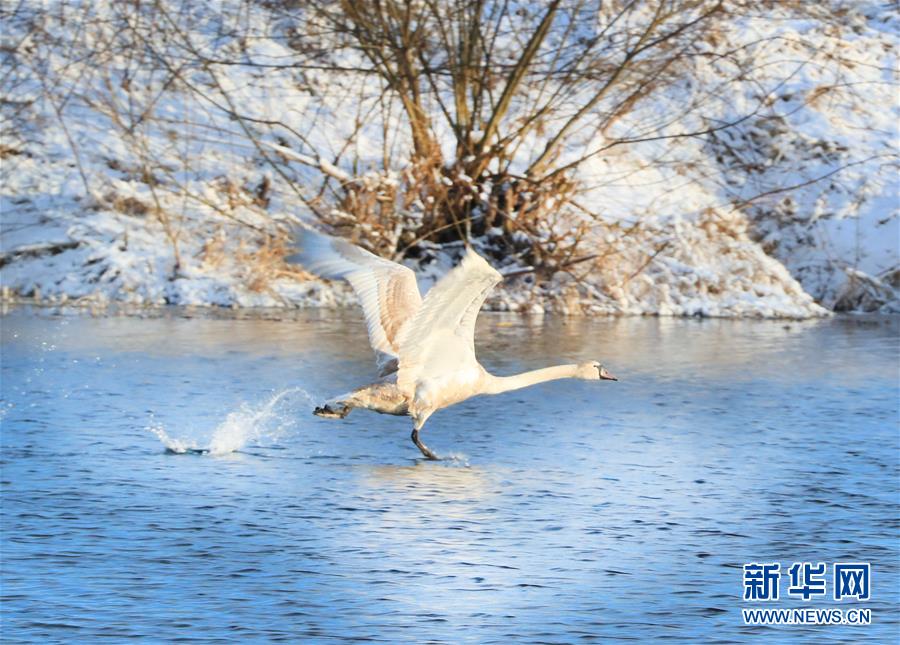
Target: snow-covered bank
58, 246
99, 258
126, 182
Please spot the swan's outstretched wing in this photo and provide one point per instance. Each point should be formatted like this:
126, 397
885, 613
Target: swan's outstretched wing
387, 291
440, 339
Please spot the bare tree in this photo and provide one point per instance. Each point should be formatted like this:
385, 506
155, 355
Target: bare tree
478, 116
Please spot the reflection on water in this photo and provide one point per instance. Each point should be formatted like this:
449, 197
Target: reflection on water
570, 510
443, 483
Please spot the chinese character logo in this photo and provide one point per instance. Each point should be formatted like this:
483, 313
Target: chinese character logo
851, 580
807, 580
761, 581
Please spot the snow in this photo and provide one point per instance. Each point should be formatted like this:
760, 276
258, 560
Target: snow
684, 228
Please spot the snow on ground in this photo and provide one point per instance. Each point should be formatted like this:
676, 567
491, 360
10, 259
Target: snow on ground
84, 215
56, 246
848, 263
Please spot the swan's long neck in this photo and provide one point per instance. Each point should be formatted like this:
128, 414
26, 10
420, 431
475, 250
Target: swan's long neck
498, 384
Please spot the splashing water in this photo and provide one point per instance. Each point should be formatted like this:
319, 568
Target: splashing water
257, 424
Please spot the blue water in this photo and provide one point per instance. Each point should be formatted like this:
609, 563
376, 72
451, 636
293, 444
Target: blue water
567, 511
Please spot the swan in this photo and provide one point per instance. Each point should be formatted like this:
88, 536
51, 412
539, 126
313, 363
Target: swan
424, 348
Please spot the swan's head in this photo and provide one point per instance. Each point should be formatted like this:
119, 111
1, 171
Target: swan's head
594, 371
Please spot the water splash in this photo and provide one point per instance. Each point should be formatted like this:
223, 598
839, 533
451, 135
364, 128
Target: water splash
249, 424
172, 444
455, 460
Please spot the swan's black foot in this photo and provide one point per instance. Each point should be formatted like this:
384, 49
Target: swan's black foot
328, 412
421, 446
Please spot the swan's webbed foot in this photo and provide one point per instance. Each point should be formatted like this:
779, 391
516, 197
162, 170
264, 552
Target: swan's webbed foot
421, 446
328, 412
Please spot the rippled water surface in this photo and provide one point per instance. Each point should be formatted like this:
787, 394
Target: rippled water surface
567, 511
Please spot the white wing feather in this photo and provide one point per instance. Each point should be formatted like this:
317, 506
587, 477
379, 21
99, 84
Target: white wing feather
440, 339
387, 291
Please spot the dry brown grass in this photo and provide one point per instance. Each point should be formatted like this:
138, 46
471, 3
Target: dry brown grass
534, 223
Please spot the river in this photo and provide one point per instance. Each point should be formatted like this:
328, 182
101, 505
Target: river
564, 512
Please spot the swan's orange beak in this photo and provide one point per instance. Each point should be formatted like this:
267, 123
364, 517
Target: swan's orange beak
606, 376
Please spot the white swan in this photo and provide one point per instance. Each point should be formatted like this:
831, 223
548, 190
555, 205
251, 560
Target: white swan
425, 349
